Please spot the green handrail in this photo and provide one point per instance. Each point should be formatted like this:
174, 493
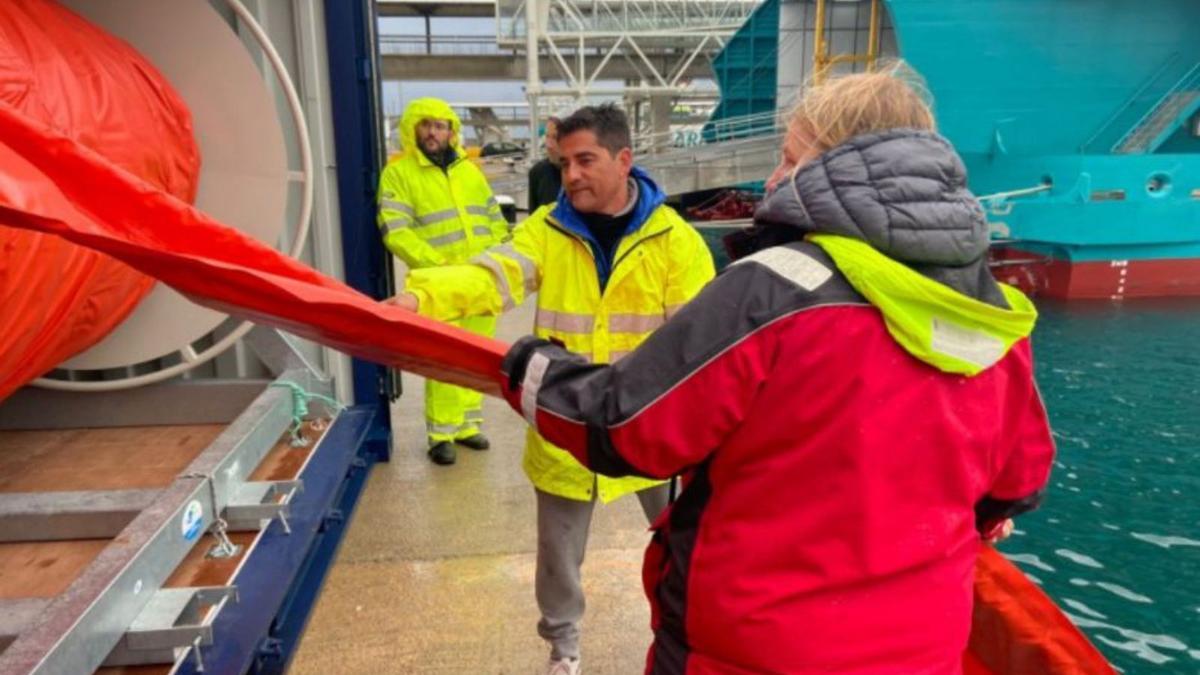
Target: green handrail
1189, 78
1167, 63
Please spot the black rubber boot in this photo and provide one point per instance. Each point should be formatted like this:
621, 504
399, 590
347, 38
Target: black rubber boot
443, 453
476, 442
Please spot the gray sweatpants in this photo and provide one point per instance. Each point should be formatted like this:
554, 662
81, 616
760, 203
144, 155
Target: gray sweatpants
563, 526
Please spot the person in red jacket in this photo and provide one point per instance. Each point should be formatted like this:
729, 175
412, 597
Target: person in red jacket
852, 401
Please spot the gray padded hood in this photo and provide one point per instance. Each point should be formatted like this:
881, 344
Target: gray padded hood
902, 191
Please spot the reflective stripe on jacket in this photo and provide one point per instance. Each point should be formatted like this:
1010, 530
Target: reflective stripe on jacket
658, 267
433, 217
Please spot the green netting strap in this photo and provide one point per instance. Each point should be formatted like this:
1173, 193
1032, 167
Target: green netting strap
301, 397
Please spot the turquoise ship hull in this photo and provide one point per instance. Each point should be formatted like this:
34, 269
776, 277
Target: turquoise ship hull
1097, 100
1079, 122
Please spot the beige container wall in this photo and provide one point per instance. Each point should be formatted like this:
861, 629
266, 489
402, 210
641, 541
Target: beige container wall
251, 176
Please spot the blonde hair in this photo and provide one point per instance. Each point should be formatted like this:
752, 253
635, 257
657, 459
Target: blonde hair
833, 111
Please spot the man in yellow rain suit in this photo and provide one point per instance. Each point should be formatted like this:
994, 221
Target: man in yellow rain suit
610, 261
435, 208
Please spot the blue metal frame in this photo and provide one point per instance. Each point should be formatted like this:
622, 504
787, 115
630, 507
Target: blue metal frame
357, 131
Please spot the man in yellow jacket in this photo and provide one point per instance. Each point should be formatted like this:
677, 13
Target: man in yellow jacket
435, 208
609, 262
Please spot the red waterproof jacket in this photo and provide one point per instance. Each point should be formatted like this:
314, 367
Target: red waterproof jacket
844, 435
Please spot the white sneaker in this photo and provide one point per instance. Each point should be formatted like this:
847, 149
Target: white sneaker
563, 667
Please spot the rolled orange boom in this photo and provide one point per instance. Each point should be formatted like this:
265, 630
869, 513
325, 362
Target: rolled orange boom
60, 299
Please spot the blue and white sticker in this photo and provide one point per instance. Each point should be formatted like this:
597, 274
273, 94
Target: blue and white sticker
193, 520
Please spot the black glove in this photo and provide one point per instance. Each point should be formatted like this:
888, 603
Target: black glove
517, 359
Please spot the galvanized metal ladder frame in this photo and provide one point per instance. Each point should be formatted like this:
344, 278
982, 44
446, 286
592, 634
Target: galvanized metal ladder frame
77, 630
823, 61
116, 611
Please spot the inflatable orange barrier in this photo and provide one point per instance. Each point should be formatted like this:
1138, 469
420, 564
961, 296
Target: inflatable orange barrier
1017, 628
59, 298
81, 197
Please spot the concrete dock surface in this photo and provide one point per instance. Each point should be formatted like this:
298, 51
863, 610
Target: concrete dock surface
436, 572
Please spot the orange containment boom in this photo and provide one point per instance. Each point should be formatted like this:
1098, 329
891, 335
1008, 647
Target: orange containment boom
59, 299
1016, 629
85, 199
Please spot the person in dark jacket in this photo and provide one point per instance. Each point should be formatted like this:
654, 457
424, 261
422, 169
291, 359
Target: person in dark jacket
852, 400
545, 177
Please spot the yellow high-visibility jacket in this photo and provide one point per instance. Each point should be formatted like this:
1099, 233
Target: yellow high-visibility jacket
433, 217
659, 265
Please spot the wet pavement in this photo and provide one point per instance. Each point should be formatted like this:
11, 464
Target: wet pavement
436, 572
